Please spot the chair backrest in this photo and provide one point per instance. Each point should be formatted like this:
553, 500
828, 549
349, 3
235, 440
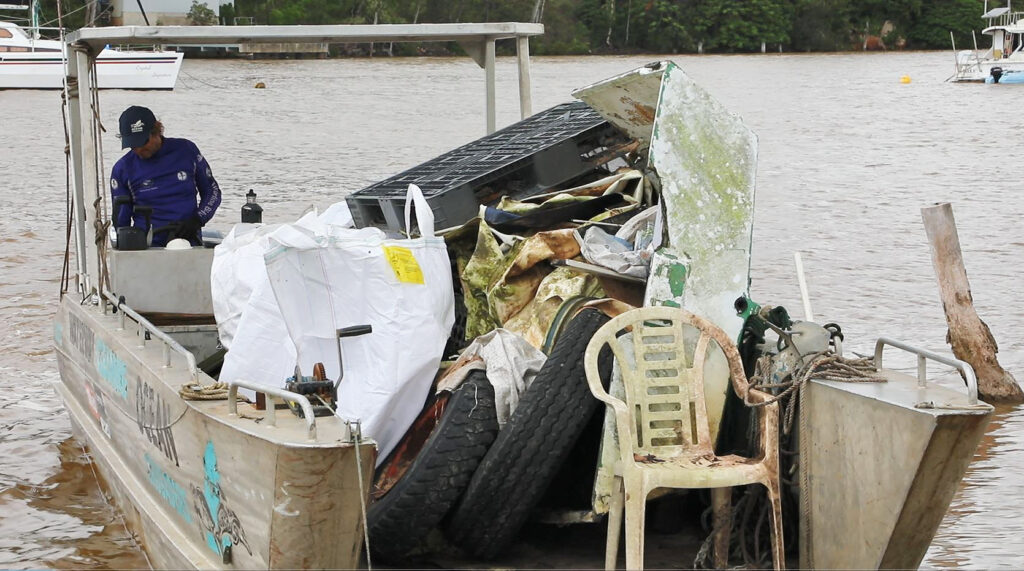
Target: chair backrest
663, 376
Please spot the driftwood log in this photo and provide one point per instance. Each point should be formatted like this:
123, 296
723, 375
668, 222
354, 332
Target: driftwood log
968, 335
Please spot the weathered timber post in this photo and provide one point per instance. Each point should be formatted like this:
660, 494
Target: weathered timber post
968, 335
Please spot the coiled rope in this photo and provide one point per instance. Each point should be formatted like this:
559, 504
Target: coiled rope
195, 391
824, 366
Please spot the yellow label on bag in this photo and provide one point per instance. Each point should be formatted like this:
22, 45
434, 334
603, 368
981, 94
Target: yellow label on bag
406, 268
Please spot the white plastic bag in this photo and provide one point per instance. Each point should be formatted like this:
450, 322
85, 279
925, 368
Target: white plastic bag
401, 288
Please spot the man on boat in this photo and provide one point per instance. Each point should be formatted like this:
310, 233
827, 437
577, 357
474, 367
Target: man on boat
163, 173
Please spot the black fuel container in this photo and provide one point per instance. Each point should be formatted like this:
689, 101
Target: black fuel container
251, 212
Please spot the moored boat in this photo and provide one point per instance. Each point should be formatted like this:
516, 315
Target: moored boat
27, 62
1003, 61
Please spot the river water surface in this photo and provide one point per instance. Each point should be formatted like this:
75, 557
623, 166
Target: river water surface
848, 157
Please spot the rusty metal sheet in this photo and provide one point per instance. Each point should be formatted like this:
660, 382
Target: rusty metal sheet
628, 101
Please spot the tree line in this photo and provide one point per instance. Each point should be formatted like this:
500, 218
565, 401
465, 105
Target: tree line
655, 26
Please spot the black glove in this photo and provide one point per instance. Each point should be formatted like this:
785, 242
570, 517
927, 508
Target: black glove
189, 230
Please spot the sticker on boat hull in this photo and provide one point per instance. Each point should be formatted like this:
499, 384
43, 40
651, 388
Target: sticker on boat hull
99, 412
169, 490
221, 527
152, 414
111, 368
82, 338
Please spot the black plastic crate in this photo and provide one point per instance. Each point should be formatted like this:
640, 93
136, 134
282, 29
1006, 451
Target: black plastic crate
521, 160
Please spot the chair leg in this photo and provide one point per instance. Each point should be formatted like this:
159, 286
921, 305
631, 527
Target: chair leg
721, 503
778, 543
636, 506
611, 550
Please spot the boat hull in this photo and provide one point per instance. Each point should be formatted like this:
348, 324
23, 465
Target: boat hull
885, 460
201, 486
115, 70
973, 69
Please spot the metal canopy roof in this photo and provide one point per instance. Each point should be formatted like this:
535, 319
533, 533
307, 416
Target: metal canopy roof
99, 37
85, 45
995, 12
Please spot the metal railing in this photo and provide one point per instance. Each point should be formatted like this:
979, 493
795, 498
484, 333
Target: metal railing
1007, 19
143, 327
922, 370
271, 392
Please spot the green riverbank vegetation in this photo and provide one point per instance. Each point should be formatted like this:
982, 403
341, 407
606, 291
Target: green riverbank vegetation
638, 26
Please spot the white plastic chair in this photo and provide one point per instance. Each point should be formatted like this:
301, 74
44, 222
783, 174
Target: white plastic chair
663, 430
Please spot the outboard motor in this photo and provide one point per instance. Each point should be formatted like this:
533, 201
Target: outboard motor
996, 73
130, 237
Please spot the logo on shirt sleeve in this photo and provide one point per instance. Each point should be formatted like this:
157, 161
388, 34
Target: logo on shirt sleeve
113, 183
182, 175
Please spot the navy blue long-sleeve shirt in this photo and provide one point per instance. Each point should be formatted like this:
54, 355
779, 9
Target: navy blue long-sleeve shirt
169, 181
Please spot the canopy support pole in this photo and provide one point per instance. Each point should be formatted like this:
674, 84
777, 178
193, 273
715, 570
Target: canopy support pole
489, 72
86, 175
76, 81
523, 56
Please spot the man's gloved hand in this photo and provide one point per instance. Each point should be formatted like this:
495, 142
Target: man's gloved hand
189, 229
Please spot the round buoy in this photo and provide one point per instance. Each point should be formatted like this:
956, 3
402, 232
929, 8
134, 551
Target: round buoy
260, 85
905, 79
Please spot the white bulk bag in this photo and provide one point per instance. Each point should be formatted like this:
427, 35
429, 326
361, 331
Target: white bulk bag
248, 318
236, 271
262, 351
402, 288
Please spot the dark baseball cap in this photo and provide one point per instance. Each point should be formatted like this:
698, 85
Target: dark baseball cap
136, 124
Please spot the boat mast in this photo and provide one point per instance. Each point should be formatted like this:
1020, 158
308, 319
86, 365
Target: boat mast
90, 12
33, 24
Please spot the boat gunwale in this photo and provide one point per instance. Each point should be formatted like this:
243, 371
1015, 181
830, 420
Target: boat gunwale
287, 424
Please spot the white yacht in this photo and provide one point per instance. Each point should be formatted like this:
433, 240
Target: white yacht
1003, 62
29, 62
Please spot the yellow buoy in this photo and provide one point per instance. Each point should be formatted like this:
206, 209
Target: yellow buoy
260, 85
905, 79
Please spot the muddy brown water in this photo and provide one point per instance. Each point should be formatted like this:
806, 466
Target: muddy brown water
848, 156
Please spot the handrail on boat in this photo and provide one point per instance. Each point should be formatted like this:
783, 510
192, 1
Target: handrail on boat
922, 356
144, 326
272, 392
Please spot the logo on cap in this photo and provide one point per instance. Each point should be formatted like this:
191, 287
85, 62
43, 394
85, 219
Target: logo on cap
137, 126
